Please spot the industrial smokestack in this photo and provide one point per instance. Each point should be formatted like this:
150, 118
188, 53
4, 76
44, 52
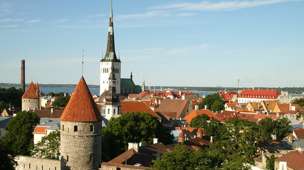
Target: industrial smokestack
22, 80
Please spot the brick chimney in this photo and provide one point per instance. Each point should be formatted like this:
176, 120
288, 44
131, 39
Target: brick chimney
22, 76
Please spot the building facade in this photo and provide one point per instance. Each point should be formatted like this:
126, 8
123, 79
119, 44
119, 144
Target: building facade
110, 76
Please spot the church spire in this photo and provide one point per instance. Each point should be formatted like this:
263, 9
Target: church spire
110, 53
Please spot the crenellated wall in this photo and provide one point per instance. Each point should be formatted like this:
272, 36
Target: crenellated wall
30, 163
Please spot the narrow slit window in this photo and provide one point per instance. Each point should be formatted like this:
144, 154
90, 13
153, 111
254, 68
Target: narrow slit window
75, 128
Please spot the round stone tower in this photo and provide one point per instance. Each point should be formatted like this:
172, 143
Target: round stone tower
80, 131
31, 98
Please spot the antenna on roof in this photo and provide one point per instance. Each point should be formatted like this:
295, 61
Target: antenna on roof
82, 62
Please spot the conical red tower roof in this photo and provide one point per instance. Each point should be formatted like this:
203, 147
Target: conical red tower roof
81, 107
32, 92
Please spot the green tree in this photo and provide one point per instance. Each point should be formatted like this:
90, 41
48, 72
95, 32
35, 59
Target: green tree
6, 159
214, 102
131, 127
10, 98
19, 136
299, 102
200, 121
270, 162
282, 128
181, 158
61, 101
48, 147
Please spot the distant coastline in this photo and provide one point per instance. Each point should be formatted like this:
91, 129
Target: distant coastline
68, 88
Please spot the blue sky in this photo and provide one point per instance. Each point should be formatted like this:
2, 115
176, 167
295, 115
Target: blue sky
164, 42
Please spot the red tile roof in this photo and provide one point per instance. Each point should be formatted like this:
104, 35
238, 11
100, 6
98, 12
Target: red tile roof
294, 159
122, 158
32, 92
284, 108
81, 107
227, 96
40, 130
195, 113
175, 108
136, 106
299, 132
260, 93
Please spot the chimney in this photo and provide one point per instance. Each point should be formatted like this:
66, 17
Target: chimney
134, 146
181, 137
196, 107
22, 78
199, 133
155, 140
206, 107
52, 110
211, 139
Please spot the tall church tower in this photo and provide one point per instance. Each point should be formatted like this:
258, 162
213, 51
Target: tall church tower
80, 131
110, 75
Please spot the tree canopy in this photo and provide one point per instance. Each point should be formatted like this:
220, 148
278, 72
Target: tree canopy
236, 144
299, 102
19, 137
48, 147
6, 159
61, 101
134, 128
214, 102
10, 97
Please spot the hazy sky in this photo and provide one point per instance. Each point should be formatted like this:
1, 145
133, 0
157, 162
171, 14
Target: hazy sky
164, 42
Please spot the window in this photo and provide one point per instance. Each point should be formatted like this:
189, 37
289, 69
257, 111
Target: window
30, 165
62, 127
67, 158
91, 128
75, 128
114, 111
108, 111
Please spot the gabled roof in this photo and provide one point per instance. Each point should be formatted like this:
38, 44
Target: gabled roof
122, 158
136, 106
294, 159
32, 92
284, 108
172, 106
81, 107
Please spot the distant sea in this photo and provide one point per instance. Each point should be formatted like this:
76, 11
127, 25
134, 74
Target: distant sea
95, 90
202, 91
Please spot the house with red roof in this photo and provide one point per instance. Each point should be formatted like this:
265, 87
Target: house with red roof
41, 131
293, 160
174, 109
258, 95
137, 106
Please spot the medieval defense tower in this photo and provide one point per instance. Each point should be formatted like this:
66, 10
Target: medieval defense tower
31, 98
80, 131
110, 75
